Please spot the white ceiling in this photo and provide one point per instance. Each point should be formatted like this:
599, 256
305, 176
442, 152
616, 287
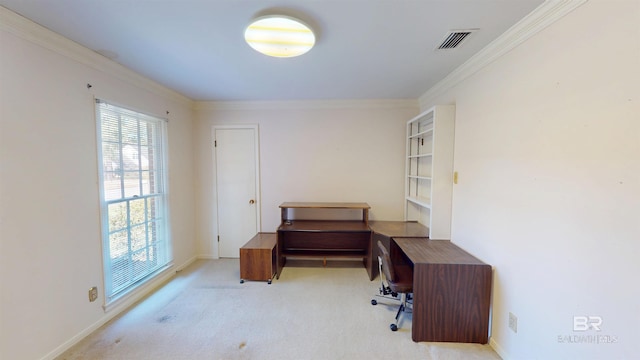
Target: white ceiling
366, 49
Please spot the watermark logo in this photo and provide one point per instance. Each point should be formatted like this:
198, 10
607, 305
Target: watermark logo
587, 329
586, 323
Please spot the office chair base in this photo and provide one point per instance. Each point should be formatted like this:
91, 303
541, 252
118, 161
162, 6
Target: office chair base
394, 298
404, 301
375, 302
385, 290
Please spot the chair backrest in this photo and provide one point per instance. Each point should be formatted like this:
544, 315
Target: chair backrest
387, 267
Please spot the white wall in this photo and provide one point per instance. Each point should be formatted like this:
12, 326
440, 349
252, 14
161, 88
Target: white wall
49, 202
349, 151
548, 154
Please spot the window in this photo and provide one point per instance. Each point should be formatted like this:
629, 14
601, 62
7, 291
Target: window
132, 152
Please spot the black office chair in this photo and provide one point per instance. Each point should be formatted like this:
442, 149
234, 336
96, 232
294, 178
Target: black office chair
399, 280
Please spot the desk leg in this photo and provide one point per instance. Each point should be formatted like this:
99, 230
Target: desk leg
419, 322
451, 303
279, 258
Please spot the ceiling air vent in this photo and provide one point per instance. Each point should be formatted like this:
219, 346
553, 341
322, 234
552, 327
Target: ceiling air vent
454, 38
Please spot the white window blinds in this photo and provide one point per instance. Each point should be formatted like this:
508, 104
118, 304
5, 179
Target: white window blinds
132, 153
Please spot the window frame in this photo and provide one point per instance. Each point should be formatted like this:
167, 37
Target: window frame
157, 243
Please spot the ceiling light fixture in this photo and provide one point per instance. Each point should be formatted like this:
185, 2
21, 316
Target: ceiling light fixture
279, 36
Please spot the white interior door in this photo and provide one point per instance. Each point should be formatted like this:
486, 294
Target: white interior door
237, 190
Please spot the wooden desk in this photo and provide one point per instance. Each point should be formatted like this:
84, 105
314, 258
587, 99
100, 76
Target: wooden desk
451, 291
322, 238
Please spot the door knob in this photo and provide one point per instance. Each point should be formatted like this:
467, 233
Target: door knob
252, 201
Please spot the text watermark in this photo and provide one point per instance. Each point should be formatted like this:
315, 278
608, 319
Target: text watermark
587, 329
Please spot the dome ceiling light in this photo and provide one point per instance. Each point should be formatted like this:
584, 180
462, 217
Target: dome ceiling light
279, 36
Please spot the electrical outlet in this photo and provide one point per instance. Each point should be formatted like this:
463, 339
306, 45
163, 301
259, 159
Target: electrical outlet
93, 294
513, 322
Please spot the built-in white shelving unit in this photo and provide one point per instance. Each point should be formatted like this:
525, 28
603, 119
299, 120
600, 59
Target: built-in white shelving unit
429, 170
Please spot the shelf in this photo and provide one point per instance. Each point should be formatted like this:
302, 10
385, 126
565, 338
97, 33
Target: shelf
424, 202
324, 253
419, 156
426, 117
342, 210
324, 205
420, 134
418, 177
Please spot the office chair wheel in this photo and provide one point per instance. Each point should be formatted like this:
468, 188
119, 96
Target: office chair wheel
394, 327
241, 281
374, 302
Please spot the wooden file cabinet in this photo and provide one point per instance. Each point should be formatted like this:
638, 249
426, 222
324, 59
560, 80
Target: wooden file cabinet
258, 258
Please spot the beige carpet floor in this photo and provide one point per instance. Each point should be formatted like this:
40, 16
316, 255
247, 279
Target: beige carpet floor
311, 312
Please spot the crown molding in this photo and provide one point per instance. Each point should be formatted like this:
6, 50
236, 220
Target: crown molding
544, 15
308, 104
30, 31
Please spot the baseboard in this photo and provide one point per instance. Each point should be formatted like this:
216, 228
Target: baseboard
186, 263
118, 309
498, 349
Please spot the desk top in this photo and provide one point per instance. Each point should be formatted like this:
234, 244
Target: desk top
262, 240
425, 251
399, 228
325, 205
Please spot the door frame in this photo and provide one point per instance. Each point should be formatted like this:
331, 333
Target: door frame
256, 137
